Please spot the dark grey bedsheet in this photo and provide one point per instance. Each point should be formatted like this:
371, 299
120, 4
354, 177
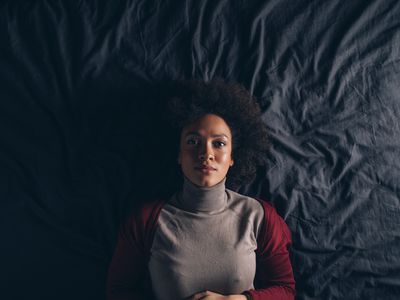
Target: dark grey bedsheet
81, 140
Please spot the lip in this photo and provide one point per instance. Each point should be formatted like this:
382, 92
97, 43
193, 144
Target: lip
205, 169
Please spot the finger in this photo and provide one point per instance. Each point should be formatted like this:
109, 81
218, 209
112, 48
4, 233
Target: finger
200, 295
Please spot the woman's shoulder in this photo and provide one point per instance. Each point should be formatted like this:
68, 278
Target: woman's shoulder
140, 224
241, 201
143, 215
146, 210
246, 208
260, 211
256, 203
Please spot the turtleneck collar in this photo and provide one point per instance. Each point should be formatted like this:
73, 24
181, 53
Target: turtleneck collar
203, 199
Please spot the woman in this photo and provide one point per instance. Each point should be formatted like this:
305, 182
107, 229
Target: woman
207, 241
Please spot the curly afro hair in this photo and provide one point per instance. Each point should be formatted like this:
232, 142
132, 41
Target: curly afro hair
192, 99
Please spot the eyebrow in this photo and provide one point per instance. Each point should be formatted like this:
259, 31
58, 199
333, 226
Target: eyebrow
214, 135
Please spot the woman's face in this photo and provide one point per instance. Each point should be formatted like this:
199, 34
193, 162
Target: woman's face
206, 150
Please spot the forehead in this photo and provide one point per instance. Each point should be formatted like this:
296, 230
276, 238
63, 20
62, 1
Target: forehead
208, 124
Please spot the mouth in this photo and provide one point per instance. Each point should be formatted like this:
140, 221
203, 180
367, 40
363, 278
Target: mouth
205, 169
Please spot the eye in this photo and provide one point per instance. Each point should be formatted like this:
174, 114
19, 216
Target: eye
219, 144
192, 142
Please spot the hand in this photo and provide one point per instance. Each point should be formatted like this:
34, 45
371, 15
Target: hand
208, 295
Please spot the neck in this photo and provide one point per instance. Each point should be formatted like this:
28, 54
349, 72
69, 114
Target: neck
203, 199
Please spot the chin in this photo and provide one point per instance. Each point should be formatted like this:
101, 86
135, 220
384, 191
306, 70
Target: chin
202, 182
208, 183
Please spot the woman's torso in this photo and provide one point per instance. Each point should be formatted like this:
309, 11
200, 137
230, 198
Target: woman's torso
208, 249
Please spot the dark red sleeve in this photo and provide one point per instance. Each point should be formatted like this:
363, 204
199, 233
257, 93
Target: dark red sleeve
274, 278
128, 276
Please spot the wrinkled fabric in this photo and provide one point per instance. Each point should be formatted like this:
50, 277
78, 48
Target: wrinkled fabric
81, 139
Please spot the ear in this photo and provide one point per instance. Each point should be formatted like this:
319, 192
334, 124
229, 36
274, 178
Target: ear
232, 162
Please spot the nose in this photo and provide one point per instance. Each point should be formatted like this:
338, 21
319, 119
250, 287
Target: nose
206, 153
206, 157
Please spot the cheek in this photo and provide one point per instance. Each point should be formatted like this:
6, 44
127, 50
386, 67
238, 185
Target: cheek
186, 155
225, 158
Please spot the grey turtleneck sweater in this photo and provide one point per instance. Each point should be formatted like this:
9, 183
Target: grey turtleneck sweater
205, 240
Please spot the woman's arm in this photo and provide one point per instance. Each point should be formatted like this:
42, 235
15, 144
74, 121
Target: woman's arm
127, 267
274, 274
128, 276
